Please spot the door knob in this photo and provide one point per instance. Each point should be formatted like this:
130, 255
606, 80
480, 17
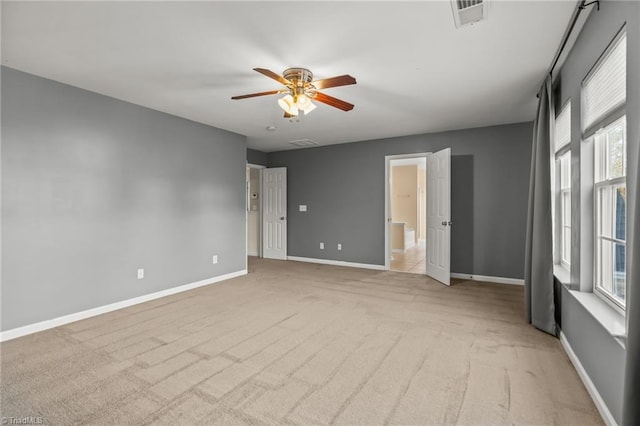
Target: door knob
282, 218
444, 223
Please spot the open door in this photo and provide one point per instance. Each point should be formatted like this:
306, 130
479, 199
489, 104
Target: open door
274, 213
439, 216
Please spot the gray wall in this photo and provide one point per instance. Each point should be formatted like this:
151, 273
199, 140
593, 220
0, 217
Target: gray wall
256, 157
343, 188
94, 188
601, 356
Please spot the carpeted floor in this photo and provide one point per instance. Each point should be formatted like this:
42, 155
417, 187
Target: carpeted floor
295, 343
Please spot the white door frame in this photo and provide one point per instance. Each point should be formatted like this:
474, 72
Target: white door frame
387, 201
246, 210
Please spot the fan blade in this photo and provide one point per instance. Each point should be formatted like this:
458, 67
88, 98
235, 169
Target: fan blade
253, 95
273, 75
341, 80
334, 102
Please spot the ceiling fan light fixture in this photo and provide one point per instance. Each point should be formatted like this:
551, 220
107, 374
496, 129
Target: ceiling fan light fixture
309, 108
300, 89
302, 101
288, 105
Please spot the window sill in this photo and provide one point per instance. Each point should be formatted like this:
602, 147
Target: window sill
608, 317
562, 274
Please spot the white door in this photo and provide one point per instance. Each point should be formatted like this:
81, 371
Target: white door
274, 213
439, 215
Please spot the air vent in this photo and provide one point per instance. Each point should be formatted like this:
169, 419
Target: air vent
469, 12
304, 143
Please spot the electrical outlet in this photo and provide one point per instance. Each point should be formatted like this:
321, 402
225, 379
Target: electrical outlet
214, 259
321, 246
339, 246
140, 273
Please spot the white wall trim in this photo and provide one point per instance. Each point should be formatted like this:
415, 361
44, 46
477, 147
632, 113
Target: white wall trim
591, 388
489, 279
485, 278
336, 263
66, 319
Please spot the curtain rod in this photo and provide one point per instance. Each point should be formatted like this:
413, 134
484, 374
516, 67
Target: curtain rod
583, 5
576, 14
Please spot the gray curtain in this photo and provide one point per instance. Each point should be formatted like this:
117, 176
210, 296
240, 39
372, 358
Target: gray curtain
538, 273
631, 400
631, 405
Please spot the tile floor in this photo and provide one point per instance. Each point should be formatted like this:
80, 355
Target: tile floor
413, 260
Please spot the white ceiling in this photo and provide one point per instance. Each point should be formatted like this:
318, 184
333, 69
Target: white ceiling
416, 72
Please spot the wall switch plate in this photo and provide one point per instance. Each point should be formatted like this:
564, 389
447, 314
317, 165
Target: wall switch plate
214, 259
140, 273
339, 246
303, 208
321, 246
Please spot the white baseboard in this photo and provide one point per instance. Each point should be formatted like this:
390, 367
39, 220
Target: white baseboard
66, 319
336, 263
485, 278
593, 392
489, 279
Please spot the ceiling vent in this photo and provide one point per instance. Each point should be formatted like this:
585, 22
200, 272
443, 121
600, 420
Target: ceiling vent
303, 143
469, 12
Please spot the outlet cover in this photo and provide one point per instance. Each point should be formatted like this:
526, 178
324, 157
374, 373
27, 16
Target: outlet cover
140, 273
214, 259
339, 246
321, 246
303, 208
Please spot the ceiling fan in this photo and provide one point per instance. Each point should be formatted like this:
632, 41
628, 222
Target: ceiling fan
300, 90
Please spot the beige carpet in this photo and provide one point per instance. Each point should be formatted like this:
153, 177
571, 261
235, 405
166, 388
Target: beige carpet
295, 343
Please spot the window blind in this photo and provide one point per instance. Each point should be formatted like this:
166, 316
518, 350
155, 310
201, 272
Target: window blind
563, 127
605, 88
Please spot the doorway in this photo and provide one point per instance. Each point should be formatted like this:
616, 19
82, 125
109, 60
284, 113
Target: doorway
418, 214
254, 210
266, 212
407, 208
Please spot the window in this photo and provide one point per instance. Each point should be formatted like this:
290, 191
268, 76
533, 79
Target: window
610, 190
562, 134
564, 198
604, 123
562, 193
